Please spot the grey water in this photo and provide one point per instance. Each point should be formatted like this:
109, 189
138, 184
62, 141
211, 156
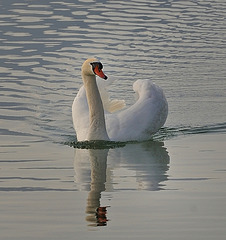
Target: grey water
170, 187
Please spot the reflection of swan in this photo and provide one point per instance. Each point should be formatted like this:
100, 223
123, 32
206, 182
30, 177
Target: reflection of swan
137, 122
136, 166
147, 162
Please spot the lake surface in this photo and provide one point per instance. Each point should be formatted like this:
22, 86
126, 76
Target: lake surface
171, 187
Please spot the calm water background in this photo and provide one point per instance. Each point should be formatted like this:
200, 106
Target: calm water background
172, 188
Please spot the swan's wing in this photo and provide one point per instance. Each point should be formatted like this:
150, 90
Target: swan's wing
141, 120
109, 104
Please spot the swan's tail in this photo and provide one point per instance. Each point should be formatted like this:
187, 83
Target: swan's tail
114, 105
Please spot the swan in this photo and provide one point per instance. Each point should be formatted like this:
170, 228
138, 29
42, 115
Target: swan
96, 117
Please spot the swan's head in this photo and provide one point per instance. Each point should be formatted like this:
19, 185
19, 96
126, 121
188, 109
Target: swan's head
92, 66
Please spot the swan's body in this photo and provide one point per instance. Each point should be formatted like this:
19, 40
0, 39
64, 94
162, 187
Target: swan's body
93, 121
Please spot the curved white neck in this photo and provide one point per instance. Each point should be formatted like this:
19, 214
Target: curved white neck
97, 127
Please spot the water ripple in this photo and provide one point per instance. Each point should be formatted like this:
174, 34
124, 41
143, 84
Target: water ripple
167, 132
178, 44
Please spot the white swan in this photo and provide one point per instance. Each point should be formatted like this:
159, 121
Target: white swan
95, 116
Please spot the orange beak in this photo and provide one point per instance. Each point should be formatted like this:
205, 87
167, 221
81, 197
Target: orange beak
99, 73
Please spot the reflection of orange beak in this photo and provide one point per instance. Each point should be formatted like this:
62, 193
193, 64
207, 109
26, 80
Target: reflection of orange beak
99, 73
101, 216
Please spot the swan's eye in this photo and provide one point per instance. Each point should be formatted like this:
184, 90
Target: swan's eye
97, 64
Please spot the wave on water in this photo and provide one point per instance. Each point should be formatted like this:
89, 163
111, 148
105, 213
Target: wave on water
170, 132
162, 135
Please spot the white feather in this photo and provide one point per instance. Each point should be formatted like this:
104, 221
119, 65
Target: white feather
138, 122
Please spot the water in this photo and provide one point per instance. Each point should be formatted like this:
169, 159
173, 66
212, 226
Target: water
169, 188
